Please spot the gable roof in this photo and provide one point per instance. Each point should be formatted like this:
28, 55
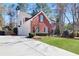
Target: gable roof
43, 14
25, 14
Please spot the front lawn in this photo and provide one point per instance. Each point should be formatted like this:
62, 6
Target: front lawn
65, 43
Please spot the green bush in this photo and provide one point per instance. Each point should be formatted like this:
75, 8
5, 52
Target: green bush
57, 32
78, 34
41, 34
72, 35
65, 33
31, 35
15, 30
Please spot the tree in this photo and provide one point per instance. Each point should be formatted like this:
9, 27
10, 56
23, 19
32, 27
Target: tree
23, 7
61, 11
73, 14
74, 11
10, 10
42, 6
1, 18
69, 26
57, 31
34, 12
12, 14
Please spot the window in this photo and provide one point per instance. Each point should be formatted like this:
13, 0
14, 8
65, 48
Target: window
26, 19
37, 29
41, 18
20, 23
46, 30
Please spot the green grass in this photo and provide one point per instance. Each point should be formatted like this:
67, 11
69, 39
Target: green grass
65, 43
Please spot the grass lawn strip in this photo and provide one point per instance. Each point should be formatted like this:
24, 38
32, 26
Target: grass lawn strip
69, 44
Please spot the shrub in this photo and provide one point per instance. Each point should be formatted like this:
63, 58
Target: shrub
42, 34
72, 35
78, 34
57, 32
31, 35
2, 33
15, 30
65, 33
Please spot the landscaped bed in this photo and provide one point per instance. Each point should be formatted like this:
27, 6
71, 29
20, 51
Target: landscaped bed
65, 43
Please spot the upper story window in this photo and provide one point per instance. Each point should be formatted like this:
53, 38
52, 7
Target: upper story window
41, 18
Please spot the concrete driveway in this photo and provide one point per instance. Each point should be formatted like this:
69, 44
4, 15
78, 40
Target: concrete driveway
21, 46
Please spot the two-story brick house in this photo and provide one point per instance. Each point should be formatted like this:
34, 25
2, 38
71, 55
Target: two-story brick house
38, 24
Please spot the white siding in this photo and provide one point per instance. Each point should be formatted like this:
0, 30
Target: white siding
25, 29
21, 17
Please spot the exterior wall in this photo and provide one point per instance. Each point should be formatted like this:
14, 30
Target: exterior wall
36, 23
25, 29
21, 17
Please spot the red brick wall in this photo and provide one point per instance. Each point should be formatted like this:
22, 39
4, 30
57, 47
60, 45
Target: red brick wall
36, 22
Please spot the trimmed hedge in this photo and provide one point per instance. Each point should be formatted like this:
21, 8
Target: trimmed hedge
31, 35
42, 34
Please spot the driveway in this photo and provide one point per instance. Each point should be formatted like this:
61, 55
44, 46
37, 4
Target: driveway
21, 46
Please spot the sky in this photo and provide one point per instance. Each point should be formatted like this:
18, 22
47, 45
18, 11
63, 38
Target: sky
31, 6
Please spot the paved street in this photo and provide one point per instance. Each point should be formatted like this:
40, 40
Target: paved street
21, 46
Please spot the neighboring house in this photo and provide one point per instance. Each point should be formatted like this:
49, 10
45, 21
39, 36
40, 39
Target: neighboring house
38, 24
